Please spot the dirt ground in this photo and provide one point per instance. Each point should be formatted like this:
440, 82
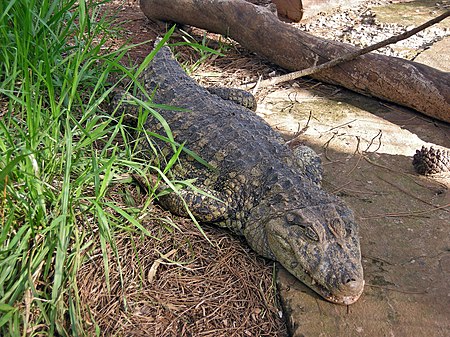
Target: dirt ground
366, 148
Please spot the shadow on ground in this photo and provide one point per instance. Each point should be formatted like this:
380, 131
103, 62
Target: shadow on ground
427, 129
406, 255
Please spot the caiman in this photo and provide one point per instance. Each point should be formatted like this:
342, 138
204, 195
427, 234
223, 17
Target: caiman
261, 189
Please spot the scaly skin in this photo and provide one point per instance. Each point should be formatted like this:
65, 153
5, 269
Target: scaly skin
238, 96
264, 194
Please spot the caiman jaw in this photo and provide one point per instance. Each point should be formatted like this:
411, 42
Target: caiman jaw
343, 299
347, 296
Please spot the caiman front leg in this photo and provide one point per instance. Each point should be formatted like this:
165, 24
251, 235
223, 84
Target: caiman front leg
238, 96
309, 162
306, 159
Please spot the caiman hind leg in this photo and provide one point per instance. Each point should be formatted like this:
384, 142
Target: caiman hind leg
205, 206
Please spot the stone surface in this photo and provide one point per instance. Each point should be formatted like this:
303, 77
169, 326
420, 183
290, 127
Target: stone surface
437, 56
312, 7
367, 147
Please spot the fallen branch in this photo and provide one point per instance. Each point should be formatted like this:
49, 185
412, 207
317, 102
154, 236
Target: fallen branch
347, 57
401, 81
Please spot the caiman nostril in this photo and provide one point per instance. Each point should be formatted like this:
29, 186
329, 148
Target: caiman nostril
351, 285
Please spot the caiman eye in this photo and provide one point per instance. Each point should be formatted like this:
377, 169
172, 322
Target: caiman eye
311, 234
294, 220
290, 218
337, 228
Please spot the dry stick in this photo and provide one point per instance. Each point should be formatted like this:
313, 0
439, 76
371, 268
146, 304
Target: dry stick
350, 56
405, 214
398, 290
412, 195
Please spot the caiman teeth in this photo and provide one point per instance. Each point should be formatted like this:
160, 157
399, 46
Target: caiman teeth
345, 300
329, 296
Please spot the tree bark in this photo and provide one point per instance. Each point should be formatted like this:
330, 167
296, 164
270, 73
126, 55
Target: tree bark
411, 84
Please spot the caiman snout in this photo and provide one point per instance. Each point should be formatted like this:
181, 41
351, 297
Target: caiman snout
348, 291
351, 287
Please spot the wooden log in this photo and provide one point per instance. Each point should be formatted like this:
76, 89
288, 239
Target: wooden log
411, 84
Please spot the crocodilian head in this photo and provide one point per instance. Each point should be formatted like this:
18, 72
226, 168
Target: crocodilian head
319, 245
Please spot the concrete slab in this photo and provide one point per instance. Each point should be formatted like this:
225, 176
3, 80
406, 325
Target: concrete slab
437, 56
367, 147
414, 13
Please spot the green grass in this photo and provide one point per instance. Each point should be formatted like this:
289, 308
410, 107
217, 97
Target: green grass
59, 155
202, 49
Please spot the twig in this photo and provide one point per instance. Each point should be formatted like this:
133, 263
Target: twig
348, 57
341, 125
377, 259
407, 192
418, 292
296, 141
379, 134
327, 145
356, 165
338, 189
406, 214
156, 263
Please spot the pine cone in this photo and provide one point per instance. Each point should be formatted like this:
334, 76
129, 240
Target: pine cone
431, 161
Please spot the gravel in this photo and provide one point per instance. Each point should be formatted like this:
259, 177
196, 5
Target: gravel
359, 26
